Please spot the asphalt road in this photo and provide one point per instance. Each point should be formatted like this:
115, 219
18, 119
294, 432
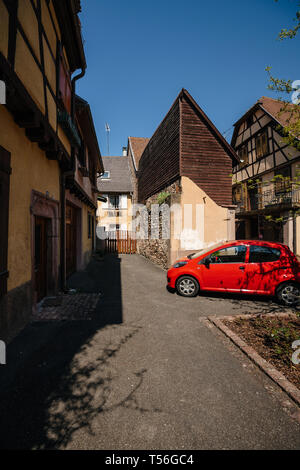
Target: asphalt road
147, 372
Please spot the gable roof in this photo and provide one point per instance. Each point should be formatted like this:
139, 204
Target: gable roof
120, 178
206, 119
187, 143
269, 105
209, 124
137, 145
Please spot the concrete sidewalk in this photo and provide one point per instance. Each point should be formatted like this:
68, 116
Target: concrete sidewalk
146, 372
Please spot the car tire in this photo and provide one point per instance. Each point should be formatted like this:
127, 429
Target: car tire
187, 286
288, 294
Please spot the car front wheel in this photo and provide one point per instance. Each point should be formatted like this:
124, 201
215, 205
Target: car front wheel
187, 286
289, 294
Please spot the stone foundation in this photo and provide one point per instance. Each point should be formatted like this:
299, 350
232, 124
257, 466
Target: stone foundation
158, 250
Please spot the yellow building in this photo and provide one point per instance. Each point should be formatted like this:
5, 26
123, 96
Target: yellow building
41, 141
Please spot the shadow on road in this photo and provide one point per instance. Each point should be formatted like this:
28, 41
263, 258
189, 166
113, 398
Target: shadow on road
58, 375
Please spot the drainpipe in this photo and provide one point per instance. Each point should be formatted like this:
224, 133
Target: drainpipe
63, 174
63, 231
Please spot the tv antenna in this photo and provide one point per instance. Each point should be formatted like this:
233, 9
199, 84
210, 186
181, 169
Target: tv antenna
107, 128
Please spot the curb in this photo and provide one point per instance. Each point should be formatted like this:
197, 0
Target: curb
264, 365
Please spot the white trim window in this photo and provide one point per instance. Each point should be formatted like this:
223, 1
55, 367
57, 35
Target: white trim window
105, 176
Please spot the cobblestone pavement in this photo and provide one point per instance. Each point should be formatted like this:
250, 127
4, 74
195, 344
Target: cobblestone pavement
67, 307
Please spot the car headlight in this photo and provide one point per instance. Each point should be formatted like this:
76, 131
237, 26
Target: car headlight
180, 264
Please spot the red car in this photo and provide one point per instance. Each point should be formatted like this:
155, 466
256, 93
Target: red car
243, 266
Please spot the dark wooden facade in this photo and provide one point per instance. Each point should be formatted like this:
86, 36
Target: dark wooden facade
205, 157
187, 144
159, 165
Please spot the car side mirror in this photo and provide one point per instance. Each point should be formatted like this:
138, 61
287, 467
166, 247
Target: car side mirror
207, 262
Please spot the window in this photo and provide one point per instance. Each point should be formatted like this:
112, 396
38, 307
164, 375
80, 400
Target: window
113, 201
243, 154
105, 176
261, 143
249, 121
82, 154
263, 254
114, 227
65, 87
232, 254
283, 180
237, 194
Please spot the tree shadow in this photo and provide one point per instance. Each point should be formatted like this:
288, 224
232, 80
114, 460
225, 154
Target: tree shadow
59, 375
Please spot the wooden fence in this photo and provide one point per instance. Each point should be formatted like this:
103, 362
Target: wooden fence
120, 241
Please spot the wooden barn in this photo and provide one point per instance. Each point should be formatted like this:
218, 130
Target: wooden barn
189, 161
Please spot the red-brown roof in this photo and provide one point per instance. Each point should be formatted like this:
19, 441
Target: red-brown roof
274, 107
138, 145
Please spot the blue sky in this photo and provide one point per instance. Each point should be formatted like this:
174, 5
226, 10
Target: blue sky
140, 53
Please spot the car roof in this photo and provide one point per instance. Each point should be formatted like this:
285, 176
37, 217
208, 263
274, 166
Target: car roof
255, 242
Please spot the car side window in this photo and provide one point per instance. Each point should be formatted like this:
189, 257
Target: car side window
231, 254
263, 254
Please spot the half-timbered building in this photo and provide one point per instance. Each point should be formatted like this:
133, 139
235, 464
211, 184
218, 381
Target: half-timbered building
48, 155
265, 182
188, 160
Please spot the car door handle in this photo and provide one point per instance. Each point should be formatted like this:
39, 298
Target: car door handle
242, 268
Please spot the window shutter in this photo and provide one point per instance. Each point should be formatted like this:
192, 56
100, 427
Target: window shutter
5, 171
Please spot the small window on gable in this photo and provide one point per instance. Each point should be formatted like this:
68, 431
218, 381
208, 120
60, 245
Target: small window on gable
249, 121
243, 154
261, 143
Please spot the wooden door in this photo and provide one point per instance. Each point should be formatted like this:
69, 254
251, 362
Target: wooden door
71, 236
40, 257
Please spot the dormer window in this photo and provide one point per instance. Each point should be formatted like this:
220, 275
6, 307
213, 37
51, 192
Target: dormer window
105, 176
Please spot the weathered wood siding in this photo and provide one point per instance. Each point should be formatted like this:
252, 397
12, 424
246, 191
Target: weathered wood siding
159, 164
203, 158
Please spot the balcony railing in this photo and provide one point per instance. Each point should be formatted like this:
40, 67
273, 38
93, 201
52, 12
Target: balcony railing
114, 212
269, 198
272, 197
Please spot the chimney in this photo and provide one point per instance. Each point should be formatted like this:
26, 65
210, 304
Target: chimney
124, 151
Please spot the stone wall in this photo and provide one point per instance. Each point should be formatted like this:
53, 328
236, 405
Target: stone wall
158, 250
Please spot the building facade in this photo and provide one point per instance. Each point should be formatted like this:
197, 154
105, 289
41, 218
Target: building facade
266, 186
40, 143
115, 185
188, 162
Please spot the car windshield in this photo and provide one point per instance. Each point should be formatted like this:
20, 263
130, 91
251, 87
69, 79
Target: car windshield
205, 250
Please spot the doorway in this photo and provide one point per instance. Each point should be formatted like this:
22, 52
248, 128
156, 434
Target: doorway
71, 239
40, 257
